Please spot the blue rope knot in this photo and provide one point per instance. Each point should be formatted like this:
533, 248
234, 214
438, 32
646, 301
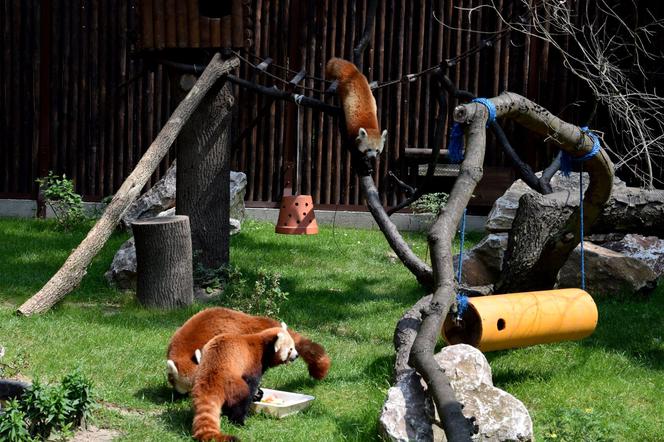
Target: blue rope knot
462, 305
566, 159
455, 146
490, 107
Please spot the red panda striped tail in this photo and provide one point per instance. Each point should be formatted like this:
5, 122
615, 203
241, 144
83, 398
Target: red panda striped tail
206, 421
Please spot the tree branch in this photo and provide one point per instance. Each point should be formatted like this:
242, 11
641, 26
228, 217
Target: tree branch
540, 272
366, 34
441, 235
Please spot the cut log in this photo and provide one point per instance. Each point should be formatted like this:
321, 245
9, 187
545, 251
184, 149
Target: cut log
203, 176
163, 257
73, 270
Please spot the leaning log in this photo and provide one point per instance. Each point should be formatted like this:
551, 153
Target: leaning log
163, 262
72, 271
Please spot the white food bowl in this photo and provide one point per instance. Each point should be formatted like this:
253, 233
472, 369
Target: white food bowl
286, 403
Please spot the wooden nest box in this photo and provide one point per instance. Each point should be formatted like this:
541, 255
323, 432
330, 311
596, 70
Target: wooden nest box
182, 24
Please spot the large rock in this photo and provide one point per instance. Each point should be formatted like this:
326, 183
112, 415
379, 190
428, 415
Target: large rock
238, 190
161, 197
608, 273
482, 263
503, 211
500, 416
647, 249
408, 412
122, 273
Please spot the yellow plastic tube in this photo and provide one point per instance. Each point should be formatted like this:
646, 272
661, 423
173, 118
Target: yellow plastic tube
515, 320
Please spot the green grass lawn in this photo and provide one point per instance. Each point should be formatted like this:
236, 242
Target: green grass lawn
346, 294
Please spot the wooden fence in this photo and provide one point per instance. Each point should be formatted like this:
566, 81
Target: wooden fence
102, 98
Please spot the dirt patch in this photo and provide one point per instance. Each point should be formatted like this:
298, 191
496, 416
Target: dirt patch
94, 434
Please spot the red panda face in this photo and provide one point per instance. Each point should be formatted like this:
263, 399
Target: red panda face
284, 347
181, 384
370, 144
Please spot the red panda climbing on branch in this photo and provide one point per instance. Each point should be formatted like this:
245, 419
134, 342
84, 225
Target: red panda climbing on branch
359, 106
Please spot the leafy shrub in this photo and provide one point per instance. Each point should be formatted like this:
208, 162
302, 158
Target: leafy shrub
263, 297
45, 409
78, 390
67, 205
576, 425
430, 203
12, 423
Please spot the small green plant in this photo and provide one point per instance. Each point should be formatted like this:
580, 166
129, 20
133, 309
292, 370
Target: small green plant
78, 390
13, 423
430, 203
267, 295
44, 410
576, 425
67, 205
47, 409
262, 298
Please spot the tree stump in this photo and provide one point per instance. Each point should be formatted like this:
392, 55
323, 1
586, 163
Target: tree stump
163, 257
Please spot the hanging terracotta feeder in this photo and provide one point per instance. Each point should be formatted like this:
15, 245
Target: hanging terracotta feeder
515, 320
296, 216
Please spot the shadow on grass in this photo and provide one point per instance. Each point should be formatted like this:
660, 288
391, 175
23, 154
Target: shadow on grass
178, 419
160, 395
634, 328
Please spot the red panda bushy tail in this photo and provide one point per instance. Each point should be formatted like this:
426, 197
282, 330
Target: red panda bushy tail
313, 354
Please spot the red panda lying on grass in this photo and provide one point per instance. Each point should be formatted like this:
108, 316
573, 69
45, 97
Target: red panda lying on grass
359, 106
229, 374
184, 350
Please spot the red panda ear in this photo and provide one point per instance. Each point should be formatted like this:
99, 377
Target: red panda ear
362, 134
278, 340
383, 136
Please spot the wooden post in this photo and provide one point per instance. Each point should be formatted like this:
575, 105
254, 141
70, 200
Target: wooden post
203, 176
163, 258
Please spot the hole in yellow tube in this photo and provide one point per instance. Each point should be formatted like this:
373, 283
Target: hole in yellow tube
501, 324
468, 330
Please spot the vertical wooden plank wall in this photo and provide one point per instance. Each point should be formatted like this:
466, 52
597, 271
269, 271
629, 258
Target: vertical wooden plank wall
19, 96
107, 104
409, 36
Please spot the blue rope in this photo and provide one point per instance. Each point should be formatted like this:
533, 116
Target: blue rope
583, 266
461, 240
490, 107
462, 305
461, 299
566, 159
566, 167
455, 146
